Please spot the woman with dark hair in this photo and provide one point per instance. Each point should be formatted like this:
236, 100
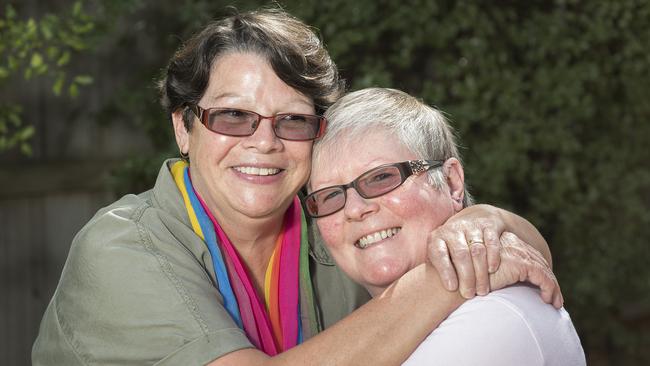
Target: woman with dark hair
217, 262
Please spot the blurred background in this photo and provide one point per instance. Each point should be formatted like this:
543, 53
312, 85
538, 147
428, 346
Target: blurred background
549, 98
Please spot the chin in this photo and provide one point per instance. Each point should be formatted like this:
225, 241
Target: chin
384, 275
263, 205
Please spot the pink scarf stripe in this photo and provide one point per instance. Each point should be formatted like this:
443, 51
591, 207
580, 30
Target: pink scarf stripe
261, 320
260, 326
288, 290
245, 308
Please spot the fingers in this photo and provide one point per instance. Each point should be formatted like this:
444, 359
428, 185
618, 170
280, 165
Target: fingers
460, 257
463, 262
533, 268
493, 247
550, 289
450, 255
439, 256
478, 252
558, 298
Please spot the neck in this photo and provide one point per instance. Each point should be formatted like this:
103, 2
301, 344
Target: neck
249, 234
254, 240
375, 291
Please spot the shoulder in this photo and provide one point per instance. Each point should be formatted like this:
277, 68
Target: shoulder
117, 237
137, 233
507, 327
136, 286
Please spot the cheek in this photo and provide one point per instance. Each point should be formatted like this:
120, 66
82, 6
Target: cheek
300, 157
330, 230
411, 207
420, 212
209, 147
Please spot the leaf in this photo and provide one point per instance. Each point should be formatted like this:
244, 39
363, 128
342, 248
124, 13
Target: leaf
31, 30
42, 69
76, 9
58, 84
46, 30
12, 62
26, 133
73, 90
52, 52
3, 72
26, 148
83, 79
37, 60
11, 12
84, 28
64, 59
14, 118
75, 42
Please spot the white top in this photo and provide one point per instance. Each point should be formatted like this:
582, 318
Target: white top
511, 326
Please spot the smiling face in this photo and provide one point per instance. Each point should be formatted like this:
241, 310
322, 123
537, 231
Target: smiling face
254, 176
375, 241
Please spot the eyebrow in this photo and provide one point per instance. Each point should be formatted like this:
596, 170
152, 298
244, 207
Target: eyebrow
376, 162
216, 98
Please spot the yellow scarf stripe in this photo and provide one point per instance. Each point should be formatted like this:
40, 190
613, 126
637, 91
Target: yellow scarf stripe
267, 280
177, 173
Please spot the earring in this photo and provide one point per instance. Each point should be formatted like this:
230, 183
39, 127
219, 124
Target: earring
185, 156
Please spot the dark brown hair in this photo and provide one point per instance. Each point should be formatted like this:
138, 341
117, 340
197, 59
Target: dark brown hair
292, 49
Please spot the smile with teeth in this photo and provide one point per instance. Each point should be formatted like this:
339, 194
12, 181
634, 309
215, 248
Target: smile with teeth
251, 170
370, 239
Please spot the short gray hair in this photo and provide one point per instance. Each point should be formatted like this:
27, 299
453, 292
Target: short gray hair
422, 129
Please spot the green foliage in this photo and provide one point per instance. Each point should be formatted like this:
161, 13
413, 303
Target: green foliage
12, 132
32, 48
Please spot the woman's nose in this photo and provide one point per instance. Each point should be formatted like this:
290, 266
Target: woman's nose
358, 208
264, 138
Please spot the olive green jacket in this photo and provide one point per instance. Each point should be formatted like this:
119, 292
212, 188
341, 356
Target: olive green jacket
139, 287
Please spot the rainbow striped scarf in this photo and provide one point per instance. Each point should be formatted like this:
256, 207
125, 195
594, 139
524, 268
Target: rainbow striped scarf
275, 324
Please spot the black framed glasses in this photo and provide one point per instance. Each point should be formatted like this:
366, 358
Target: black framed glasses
373, 183
240, 122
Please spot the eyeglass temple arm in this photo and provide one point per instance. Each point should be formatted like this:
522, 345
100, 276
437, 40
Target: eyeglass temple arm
421, 166
198, 111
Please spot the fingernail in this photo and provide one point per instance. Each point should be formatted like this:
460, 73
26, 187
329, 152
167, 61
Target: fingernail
449, 285
469, 293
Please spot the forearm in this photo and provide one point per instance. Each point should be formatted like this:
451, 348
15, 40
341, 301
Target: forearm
385, 331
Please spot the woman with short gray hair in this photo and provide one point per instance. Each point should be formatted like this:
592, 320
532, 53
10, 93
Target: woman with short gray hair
372, 202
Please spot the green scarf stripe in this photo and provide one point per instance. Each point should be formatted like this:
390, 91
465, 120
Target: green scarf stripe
307, 292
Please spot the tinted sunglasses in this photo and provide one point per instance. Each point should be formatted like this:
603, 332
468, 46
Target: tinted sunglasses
240, 122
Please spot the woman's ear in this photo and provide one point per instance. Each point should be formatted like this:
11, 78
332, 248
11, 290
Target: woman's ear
455, 175
180, 132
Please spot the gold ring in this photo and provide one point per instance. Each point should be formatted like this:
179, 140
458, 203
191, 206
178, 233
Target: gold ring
475, 241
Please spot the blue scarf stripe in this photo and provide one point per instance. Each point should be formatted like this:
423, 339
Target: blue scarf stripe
223, 282
299, 327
